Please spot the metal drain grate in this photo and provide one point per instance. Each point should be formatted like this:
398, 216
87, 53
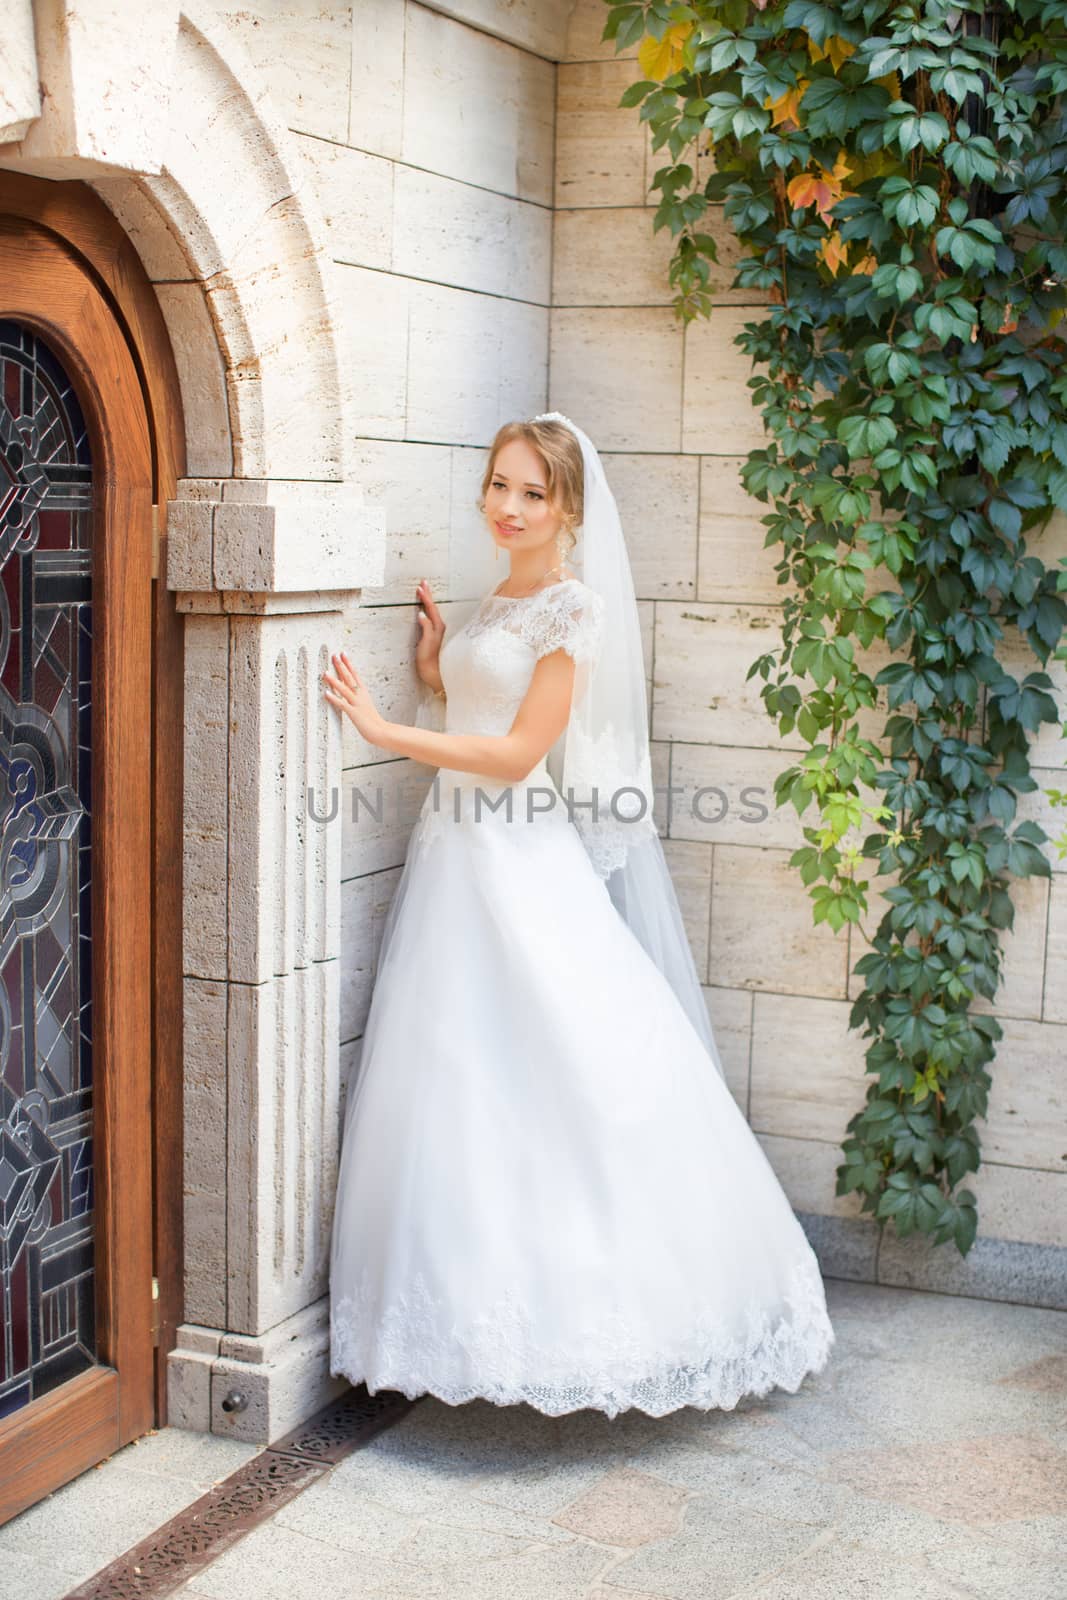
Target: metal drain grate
182, 1547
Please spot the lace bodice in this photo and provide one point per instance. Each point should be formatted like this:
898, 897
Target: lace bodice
487, 665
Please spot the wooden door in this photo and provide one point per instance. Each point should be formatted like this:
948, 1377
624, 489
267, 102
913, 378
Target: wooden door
78, 1373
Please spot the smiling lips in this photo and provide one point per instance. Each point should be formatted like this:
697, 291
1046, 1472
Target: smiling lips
507, 528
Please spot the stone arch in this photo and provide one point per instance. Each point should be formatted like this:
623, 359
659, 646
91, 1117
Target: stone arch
208, 189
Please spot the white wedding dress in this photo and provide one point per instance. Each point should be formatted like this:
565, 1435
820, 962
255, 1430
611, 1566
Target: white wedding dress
547, 1193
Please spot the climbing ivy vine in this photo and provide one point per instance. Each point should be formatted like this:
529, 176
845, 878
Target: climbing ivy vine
895, 175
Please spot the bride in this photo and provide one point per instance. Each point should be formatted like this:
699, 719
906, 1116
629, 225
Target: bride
547, 1193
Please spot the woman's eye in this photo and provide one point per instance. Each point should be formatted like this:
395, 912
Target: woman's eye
532, 492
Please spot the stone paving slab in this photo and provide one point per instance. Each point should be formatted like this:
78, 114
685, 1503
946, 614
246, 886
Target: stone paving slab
927, 1462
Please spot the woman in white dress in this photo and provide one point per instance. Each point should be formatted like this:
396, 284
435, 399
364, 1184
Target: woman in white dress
547, 1193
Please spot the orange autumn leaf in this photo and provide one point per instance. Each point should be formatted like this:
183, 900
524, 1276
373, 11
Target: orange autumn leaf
658, 58
787, 107
821, 189
833, 251
867, 264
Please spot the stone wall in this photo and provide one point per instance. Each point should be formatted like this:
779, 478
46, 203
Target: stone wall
518, 268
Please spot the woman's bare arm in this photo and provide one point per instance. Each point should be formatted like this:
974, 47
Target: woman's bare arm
507, 757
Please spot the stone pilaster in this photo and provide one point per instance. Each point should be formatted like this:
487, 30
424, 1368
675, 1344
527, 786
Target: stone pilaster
261, 568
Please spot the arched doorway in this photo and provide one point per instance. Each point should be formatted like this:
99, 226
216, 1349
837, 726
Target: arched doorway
90, 843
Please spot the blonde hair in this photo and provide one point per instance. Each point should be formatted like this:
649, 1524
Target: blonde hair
559, 449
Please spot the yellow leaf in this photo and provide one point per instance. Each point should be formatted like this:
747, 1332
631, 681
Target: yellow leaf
658, 58
833, 252
867, 264
787, 107
891, 82
837, 51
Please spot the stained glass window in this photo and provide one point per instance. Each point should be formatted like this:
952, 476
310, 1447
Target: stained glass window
46, 1148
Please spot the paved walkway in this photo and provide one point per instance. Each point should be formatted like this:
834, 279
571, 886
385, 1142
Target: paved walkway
928, 1462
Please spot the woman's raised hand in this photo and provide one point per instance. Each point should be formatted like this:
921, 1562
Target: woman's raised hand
431, 634
353, 699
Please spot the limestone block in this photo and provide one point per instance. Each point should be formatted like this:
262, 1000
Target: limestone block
205, 804
148, 227
701, 694
190, 528
351, 1055
1019, 993
284, 1376
280, 536
204, 1150
1048, 541
284, 869
734, 566
475, 565
354, 191
474, 360
762, 934
476, 108
524, 336
600, 145
364, 905
20, 93
584, 40
222, 224
690, 869
535, 25
646, 618
618, 250
659, 753
1037, 807
282, 1149
657, 499
472, 238
412, 485
189, 1390
718, 415
725, 795
806, 1170
808, 1067
730, 1012
618, 374
1028, 1100
80, 130
302, 52
379, 806
284, 286
376, 110
205, 403
1019, 1202
373, 326
1055, 989
380, 643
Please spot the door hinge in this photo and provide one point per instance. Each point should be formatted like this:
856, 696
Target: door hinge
156, 519
155, 1311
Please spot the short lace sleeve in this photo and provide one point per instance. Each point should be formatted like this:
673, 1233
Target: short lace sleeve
570, 617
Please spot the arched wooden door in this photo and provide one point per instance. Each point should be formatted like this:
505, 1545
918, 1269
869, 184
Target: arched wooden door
80, 1359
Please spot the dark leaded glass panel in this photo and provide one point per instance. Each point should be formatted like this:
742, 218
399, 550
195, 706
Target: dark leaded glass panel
46, 1148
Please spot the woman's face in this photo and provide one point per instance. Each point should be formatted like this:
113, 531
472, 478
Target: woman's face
516, 502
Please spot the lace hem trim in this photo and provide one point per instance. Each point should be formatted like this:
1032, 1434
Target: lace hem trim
414, 1347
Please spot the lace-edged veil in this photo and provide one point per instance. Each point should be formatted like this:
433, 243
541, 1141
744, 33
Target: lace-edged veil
601, 763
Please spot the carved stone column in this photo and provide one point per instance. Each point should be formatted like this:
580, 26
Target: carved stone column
261, 568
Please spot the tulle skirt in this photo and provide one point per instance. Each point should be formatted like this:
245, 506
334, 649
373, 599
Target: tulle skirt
547, 1194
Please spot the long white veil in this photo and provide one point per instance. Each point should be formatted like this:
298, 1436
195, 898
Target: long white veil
601, 763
